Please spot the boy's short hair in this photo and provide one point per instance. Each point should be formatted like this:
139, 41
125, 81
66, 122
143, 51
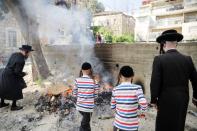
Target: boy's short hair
86, 66
126, 71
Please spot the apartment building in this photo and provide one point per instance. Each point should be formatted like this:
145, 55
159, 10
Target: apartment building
156, 16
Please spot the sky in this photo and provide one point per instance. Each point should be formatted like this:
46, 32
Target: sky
126, 6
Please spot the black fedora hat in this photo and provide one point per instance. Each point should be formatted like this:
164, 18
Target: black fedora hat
169, 35
26, 48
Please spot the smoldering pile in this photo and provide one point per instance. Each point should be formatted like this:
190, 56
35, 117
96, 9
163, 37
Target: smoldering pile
57, 100
104, 98
57, 103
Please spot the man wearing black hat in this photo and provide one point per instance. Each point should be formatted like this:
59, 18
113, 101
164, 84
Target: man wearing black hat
170, 83
11, 78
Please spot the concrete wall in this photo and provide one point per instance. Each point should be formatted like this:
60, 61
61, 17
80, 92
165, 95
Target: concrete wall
139, 56
67, 59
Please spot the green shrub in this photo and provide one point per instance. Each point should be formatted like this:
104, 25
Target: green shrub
110, 38
123, 38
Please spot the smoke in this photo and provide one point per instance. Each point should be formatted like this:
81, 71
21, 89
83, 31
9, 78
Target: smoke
60, 26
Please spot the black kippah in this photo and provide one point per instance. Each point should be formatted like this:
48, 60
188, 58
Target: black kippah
86, 66
126, 71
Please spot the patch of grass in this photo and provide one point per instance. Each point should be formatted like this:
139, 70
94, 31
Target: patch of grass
39, 81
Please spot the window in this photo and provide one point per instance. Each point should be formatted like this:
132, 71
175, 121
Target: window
107, 23
191, 17
193, 29
12, 42
2, 39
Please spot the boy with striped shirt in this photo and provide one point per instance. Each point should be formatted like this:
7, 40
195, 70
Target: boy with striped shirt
126, 99
86, 89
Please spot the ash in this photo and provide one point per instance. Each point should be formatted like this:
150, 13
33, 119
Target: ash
103, 98
56, 104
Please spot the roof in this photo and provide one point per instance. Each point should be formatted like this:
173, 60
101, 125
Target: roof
110, 13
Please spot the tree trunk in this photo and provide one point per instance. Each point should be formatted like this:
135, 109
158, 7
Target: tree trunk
29, 29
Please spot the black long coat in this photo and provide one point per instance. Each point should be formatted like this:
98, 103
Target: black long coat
170, 91
11, 78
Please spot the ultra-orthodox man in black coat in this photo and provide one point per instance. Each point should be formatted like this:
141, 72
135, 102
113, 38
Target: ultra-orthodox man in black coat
170, 87
11, 78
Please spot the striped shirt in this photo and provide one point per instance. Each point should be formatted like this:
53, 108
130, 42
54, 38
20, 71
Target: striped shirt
126, 99
85, 90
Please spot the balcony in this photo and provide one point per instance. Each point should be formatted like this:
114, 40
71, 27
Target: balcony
190, 2
166, 24
190, 9
156, 3
168, 10
190, 6
175, 7
190, 18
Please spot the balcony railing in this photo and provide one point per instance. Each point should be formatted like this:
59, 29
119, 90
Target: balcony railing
190, 19
175, 7
190, 2
168, 9
168, 23
164, 2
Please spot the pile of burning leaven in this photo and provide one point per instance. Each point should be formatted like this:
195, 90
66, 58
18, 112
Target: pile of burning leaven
59, 99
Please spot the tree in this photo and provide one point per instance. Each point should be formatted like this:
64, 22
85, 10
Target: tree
94, 6
99, 7
29, 29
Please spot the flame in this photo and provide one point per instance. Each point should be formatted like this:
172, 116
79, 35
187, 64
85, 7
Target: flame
67, 92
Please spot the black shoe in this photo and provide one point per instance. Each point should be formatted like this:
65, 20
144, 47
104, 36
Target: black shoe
3, 105
16, 108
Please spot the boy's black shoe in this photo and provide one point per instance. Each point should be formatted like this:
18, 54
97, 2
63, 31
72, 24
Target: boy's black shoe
3, 105
16, 108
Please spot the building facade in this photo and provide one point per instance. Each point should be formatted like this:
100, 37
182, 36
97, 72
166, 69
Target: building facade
118, 22
10, 37
156, 16
10, 34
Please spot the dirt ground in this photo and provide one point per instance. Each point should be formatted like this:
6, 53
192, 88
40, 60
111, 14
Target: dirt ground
30, 120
